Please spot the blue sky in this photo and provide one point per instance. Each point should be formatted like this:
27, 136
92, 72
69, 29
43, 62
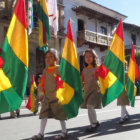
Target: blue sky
130, 8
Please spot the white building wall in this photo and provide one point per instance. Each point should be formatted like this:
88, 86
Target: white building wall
128, 40
90, 24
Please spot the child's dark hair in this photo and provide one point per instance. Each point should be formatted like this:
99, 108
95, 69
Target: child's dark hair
95, 59
54, 52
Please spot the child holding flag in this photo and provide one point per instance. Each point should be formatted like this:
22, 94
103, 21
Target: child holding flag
92, 97
50, 108
122, 101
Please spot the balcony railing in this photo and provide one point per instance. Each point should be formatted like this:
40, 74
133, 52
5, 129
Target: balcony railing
93, 37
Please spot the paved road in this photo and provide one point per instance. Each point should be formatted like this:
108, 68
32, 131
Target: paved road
27, 125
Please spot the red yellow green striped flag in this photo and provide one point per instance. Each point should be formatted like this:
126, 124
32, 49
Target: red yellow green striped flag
112, 73
133, 72
33, 92
71, 96
44, 30
14, 73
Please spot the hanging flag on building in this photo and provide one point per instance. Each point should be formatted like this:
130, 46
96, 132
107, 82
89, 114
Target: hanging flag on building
33, 93
53, 15
30, 17
133, 72
112, 73
14, 72
70, 95
44, 29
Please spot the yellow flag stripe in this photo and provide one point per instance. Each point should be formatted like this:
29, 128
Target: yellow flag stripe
107, 82
117, 47
131, 71
18, 40
65, 94
4, 81
44, 6
69, 53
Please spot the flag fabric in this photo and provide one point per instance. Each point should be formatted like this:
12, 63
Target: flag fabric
14, 72
33, 93
112, 73
30, 17
133, 72
71, 94
53, 15
44, 30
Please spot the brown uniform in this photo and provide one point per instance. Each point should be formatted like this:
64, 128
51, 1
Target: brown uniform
92, 94
51, 108
123, 98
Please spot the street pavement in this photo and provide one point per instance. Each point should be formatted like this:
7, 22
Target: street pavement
27, 125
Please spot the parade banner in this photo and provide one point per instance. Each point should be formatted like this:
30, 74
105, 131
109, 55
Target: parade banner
71, 95
14, 72
33, 93
112, 73
133, 72
30, 17
44, 29
53, 15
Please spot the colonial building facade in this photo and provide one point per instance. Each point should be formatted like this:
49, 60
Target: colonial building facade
131, 34
93, 25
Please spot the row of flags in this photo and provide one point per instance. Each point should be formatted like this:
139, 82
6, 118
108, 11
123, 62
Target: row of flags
14, 70
14, 65
48, 16
111, 73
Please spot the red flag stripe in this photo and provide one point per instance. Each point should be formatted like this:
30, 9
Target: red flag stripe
133, 58
19, 12
69, 32
119, 30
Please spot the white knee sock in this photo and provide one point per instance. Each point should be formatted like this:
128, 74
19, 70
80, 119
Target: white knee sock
92, 115
63, 126
42, 126
123, 111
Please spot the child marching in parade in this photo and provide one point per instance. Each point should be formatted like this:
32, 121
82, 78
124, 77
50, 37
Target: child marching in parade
92, 98
122, 101
51, 108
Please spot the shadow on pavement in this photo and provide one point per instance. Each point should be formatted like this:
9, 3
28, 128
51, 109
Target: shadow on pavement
107, 127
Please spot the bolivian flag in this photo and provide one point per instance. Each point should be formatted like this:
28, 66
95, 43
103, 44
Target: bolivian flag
112, 73
44, 30
14, 73
133, 72
71, 95
33, 93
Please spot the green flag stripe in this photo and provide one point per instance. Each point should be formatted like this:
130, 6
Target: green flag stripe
130, 91
73, 106
14, 69
68, 73
9, 100
45, 20
113, 64
109, 94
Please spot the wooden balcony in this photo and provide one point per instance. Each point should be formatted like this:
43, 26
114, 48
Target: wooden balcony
92, 37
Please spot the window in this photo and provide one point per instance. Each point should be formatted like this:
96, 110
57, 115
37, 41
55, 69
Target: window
133, 37
103, 30
81, 25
